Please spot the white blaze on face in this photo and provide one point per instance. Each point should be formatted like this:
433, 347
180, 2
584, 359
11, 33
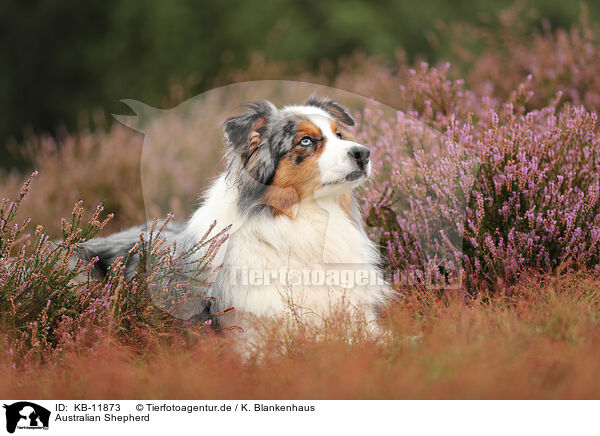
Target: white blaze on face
334, 163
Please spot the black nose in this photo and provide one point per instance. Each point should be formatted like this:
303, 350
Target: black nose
360, 155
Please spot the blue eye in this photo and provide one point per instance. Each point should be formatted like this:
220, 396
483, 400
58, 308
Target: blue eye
306, 141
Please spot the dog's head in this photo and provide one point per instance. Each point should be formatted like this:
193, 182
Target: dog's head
283, 156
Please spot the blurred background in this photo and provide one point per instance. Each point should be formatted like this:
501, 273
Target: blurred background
65, 64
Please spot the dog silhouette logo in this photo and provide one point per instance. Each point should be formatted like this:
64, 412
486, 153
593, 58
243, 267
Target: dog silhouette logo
26, 415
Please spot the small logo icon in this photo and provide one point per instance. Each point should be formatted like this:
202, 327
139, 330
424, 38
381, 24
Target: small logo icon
26, 415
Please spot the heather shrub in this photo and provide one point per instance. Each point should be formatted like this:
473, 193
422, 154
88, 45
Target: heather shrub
107, 167
520, 187
417, 204
535, 204
492, 58
497, 56
96, 167
50, 303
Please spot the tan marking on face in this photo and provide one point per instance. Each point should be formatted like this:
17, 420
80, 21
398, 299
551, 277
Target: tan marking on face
298, 174
306, 128
335, 128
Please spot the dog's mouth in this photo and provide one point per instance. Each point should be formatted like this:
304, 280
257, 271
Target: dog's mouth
355, 175
348, 178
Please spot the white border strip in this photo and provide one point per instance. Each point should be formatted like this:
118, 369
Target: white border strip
316, 417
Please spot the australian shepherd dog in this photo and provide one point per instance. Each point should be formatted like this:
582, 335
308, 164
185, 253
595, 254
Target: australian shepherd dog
297, 246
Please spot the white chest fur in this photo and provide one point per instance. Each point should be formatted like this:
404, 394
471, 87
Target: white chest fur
320, 261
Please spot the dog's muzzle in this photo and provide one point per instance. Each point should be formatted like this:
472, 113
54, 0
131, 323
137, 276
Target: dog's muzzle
360, 155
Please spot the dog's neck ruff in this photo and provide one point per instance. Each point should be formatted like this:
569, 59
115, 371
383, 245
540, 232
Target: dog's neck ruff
322, 236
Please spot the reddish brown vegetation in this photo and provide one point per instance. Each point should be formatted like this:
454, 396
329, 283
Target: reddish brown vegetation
541, 343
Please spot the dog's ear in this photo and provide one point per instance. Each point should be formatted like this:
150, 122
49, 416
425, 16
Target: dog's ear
245, 132
247, 135
335, 109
